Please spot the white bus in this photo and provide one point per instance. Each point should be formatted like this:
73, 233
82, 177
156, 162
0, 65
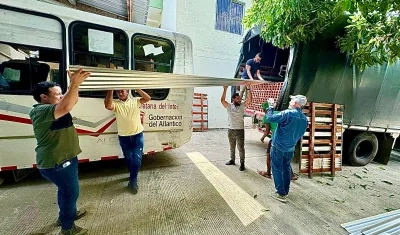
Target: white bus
38, 41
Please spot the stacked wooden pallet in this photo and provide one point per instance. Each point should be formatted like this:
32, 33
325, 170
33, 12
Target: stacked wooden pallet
321, 146
200, 112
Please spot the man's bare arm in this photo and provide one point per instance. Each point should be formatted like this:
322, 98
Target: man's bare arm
249, 96
108, 101
248, 68
223, 98
71, 96
145, 97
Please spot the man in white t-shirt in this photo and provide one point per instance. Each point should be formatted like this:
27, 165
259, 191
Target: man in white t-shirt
236, 124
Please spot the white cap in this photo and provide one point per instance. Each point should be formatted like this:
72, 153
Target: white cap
300, 99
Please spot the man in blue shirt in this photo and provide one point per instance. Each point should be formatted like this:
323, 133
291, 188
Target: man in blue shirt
252, 69
292, 126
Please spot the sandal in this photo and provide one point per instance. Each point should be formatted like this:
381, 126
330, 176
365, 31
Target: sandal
264, 174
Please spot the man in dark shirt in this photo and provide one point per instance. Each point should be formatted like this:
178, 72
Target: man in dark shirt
58, 146
252, 68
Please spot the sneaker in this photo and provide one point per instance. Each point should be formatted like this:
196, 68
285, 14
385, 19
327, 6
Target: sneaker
241, 168
230, 162
279, 197
75, 230
79, 214
133, 187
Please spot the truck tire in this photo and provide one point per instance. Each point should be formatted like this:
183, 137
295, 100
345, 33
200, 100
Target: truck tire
363, 149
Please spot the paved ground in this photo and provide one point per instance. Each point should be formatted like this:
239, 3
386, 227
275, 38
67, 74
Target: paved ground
198, 194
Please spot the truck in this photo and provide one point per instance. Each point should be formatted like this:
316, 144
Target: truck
318, 70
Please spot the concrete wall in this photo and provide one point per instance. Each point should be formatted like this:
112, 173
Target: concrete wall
215, 53
168, 19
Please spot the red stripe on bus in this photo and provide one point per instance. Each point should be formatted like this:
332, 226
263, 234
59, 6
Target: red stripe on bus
15, 119
109, 158
96, 133
151, 152
167, 148
83, 160
8, 168
80, 131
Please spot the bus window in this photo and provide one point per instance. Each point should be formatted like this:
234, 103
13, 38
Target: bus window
153, 54
22, 67
98, 46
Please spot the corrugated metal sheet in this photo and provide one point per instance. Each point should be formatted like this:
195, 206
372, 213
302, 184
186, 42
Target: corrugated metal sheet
140, 10
106, 79
387, 223
117, 7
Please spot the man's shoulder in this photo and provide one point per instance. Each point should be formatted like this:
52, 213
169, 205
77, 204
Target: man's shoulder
41, 108
130, 100
250, 61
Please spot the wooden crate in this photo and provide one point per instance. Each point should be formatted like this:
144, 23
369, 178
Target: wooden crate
321, 151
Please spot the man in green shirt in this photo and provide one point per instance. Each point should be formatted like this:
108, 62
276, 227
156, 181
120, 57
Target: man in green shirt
58, 146
269, 127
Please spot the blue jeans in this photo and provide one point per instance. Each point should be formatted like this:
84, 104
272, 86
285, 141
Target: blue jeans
66, 179
132, 148
281, 170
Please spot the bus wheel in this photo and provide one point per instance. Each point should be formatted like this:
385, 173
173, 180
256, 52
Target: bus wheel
363, 149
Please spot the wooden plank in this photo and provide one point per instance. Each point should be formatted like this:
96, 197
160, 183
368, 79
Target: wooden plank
199, 94
322, 112
328, 127
200, 121
322, 105
311, 141
325, 120
321, 156
319, 142
323, 170
323, 134
321, 148
199, 129
199, 105
333, 144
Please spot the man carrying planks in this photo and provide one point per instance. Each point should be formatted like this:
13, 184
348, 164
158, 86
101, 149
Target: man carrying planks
292, 125
236, 124
130, 130
58, 146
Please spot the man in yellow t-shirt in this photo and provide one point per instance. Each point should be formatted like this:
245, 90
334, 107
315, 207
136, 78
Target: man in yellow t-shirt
130, 129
